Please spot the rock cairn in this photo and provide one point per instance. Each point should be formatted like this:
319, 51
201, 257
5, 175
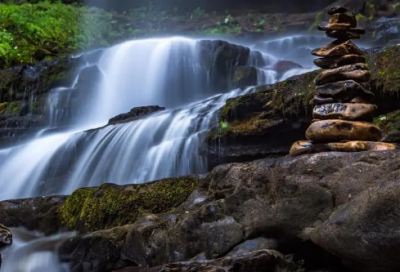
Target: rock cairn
342, 113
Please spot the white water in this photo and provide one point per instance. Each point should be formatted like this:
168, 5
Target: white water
32, 252
166, 72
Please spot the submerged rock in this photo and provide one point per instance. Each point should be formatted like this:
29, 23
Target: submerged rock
358, 72
338, 130
345, 111
134, 114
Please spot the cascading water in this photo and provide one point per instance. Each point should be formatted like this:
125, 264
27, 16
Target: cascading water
167, 72
31, 252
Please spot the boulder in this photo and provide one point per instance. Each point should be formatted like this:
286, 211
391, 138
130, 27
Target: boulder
344, 111
344, 91
338, 130
358, 72
335, 62
283, 66
244, 76
337, 48
307, 147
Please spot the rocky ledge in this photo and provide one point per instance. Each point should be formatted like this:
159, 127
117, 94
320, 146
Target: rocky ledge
321, 212
265, 123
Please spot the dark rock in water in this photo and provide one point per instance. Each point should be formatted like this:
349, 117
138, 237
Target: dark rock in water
244, 76
335, 62
283, 66
33, 213
358, 72
364, 232
336, 9
5, 237
134, 114
308, 147
343, 35
337, 48
344, 91
345, 111
340, 18
339, 130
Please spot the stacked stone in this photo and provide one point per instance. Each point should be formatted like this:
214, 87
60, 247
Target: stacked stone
342, 114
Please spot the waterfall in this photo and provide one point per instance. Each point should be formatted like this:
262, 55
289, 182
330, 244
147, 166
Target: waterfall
167, 72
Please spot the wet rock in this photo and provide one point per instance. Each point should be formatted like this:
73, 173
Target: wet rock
335, 62
345, 111
337, 48
336, 9
344, 91
244, 77
343, 35
5, 236
283, 66
134, 114
340, 18
39, 214
364, 232
338, 130
358, 72
308, 147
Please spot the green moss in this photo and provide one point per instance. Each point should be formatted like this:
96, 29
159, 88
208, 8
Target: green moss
370, 10
385, 71
317, 21
110, 206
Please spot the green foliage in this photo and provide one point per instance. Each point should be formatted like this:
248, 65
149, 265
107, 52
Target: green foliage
30, 32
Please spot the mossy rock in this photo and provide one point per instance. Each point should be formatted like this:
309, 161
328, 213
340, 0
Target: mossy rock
91, 209
390, 125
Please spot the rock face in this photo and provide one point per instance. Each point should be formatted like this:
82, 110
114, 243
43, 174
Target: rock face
134, 114
292, 205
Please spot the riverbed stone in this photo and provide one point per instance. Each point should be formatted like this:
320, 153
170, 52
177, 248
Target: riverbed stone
308, 147
345, 111
335, 62
344, 91
341, 18
338, 130
358, 72
337, 48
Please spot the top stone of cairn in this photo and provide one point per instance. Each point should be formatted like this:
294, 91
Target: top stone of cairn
337, 9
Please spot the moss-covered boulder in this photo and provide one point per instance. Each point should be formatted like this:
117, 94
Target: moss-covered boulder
267, 122
107, 206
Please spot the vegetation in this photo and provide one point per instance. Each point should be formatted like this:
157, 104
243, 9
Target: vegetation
31, 32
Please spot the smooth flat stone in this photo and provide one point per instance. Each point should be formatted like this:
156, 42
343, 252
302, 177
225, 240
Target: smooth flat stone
335, 62
336, 9
338, 130
337, 48
340, 18
308, 147
331, 27
358, 72
344, 111
344, 91
343, 34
